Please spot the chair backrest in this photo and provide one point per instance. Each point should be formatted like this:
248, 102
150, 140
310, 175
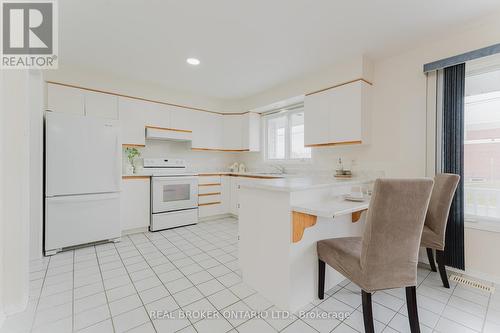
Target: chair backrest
445, 185
393, 229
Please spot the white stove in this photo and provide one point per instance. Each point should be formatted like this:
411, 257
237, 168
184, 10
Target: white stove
174, 193
166, 167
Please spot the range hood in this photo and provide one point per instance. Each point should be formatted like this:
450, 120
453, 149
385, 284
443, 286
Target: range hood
168, 134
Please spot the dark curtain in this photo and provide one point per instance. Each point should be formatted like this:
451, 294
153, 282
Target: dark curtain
453, 160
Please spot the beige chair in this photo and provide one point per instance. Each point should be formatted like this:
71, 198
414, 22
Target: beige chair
433, 235
386, 256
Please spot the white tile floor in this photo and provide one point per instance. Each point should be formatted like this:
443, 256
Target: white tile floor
112, 288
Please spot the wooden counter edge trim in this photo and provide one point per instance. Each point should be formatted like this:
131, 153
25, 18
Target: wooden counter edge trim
209, 203
135, 177
340, 143
211, 184
300, 221
340, 85
169, 129
149, 100
207, 194
133, 145
223, 150
355, 216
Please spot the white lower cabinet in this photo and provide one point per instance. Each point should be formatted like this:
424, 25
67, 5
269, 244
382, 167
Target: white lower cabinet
134, 203
234, 189
214, 195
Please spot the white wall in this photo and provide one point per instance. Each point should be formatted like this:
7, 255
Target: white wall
14, 270
399, 122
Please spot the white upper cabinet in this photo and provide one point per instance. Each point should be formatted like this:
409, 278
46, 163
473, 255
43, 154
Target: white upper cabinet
133, 120
65, 99
157, 115
241, 132
232, 132
338, 115
251, 131
207, 131
182, 119
101, 105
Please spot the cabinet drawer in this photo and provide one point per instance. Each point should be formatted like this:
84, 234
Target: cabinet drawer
209, 189
206, 199
209, 180
209, 210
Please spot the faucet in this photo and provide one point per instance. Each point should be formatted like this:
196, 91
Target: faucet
279, 168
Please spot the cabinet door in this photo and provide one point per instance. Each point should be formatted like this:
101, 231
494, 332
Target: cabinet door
225, 194
345, 113
157, 115
317, 118
251, 131
134, 203
101, 105
234, 207
132, 118
207, 130
65, 99
233, 132
183, 119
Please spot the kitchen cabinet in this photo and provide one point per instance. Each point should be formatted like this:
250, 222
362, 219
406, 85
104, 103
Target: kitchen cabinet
132, 120
251, 131
157, 115
213, 195
338, 115
134, 203
234, 202
182, 119
101, 105
232, 135
207, 131
65, 99
241, 132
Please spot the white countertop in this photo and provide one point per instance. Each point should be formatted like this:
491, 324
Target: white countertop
299, 183
330, 208
145, 173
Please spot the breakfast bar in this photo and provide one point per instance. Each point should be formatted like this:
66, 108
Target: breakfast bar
281, 221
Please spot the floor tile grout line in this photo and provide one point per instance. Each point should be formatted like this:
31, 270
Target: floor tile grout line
105, 294
133, 285
206, 269
39, 296
487, 310
185, 276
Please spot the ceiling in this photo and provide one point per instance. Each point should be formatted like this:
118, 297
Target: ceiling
245, 46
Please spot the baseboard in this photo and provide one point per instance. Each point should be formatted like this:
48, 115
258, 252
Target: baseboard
216, 217
471, 273
134, 231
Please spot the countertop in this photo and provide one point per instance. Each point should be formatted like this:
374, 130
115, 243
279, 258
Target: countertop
253, 175
300, 183
331, 207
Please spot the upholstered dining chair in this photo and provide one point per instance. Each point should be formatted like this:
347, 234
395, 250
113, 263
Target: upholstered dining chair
433, 235
386, 256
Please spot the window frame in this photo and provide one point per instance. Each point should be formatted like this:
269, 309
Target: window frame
288, 115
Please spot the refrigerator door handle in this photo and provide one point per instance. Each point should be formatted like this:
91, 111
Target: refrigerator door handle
85, 197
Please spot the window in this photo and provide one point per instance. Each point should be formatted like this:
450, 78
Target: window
285, 136
482, 146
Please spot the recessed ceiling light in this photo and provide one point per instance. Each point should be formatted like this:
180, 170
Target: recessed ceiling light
193, 61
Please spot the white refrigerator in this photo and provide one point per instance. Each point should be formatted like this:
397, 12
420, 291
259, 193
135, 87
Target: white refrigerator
82, 180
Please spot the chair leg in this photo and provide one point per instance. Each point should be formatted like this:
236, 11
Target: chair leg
367, 311
430, 256
321, 279
442, 268
411, 303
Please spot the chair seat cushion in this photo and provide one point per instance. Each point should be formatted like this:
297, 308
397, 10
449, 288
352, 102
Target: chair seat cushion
430, 239
343, 254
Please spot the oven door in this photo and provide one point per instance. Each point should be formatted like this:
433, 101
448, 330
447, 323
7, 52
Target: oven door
174, 193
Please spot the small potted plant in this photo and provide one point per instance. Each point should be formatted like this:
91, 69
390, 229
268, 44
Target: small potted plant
132, 153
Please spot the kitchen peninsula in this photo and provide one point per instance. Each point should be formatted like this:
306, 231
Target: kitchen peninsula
280, 222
